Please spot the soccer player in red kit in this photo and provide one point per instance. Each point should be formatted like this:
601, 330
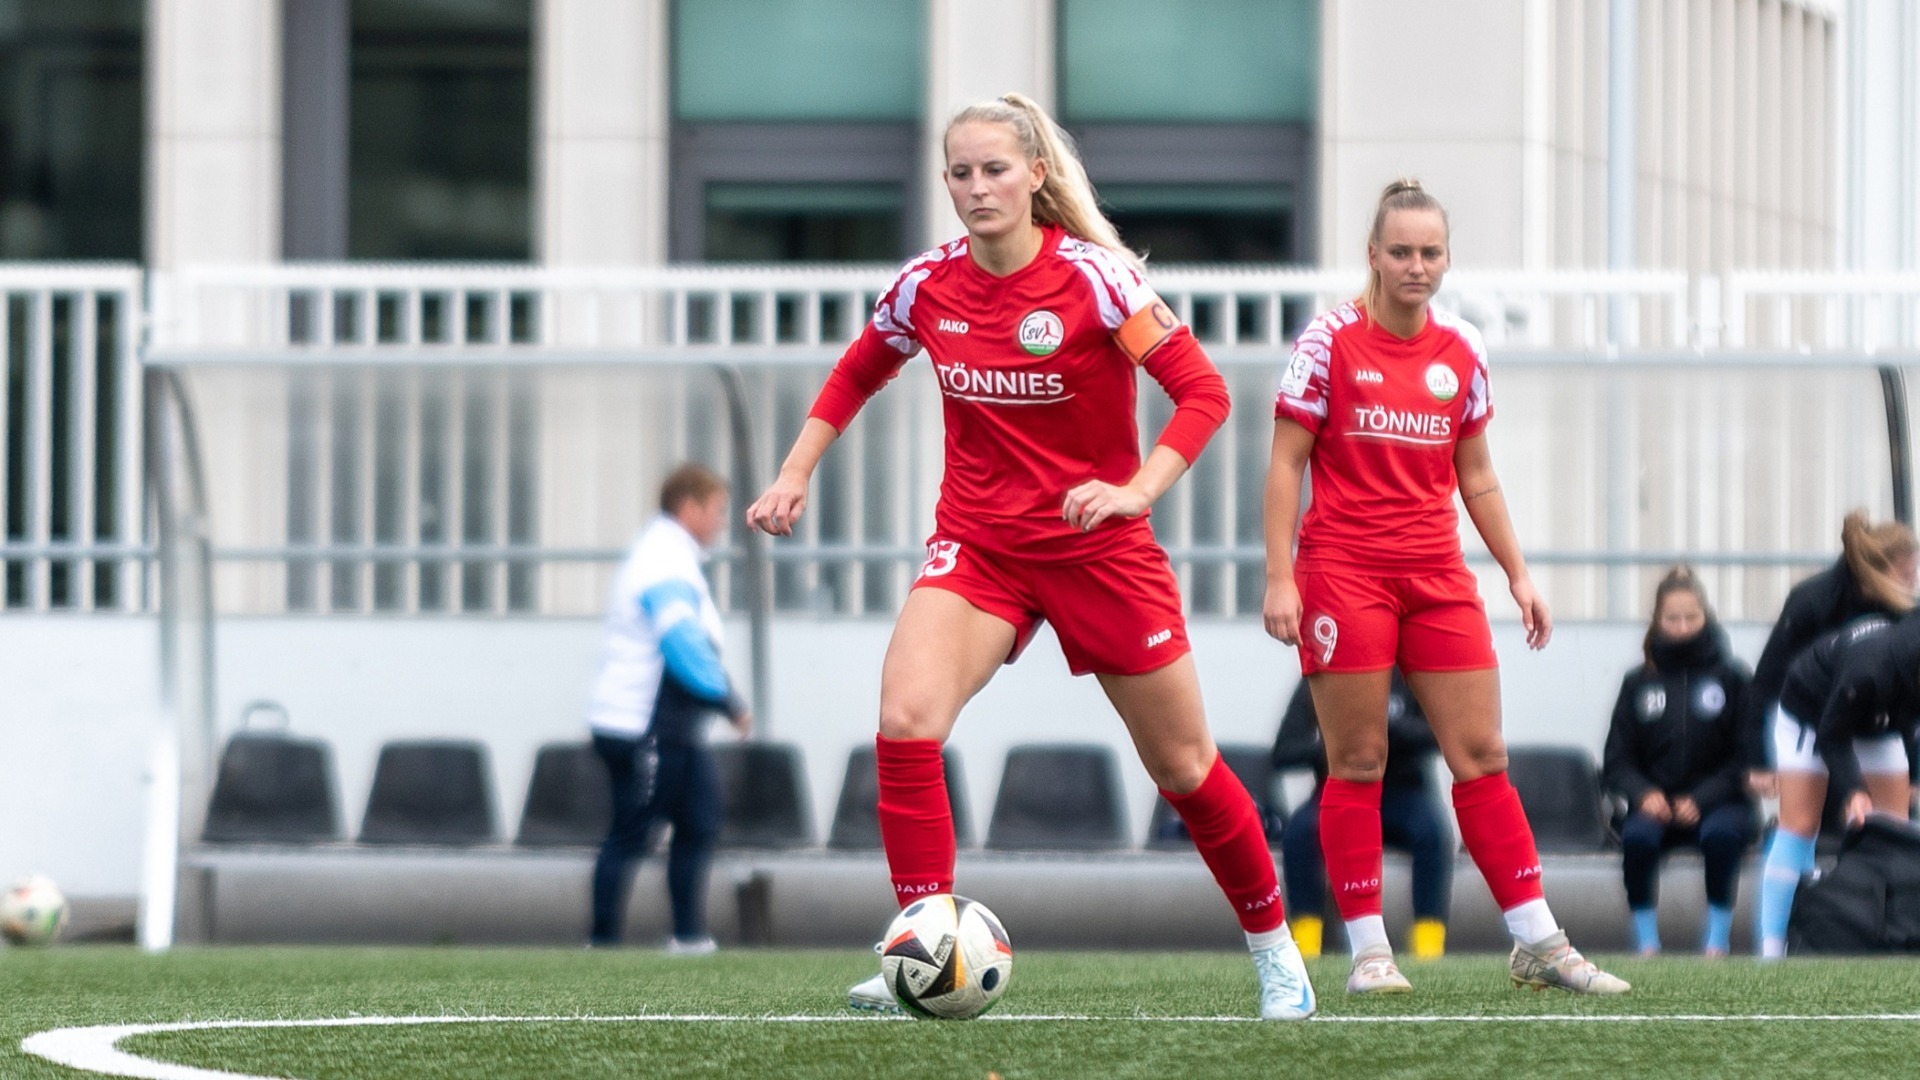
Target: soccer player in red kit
1035, 323
1386, 398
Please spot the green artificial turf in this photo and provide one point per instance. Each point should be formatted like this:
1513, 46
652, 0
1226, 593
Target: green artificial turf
72, 986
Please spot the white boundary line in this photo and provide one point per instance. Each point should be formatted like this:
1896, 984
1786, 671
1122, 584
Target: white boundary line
96, 1049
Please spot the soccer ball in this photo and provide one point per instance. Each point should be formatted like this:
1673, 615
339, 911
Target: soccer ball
33, 912
946, 957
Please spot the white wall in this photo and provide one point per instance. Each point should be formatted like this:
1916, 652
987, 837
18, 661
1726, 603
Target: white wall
79, 696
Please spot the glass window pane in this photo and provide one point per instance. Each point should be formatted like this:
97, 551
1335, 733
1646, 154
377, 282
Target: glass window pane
803, 222
798, 59
72, 129
1159, 60
1204, 222
441, 137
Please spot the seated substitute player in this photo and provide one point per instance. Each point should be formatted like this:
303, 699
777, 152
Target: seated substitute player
1674, 752
659, 682
1386, 397
1409, 820
1036, 323
1846, 718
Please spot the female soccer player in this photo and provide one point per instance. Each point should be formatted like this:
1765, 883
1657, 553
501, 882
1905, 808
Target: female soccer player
1847, 714
1875, 575
1387, 399
1035, 322
1674, 750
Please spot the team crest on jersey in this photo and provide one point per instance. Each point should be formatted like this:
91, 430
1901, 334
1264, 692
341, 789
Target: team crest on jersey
1442, 382
1041, 332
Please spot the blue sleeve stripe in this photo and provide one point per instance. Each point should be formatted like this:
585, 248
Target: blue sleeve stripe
659, 597
693, 662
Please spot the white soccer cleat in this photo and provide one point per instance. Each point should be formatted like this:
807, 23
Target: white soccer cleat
872, 996
1285, 991
1553, 963
1374, 972
700, 946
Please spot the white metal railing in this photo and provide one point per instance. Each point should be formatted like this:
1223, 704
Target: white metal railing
421, 435
1865, 312
70, 429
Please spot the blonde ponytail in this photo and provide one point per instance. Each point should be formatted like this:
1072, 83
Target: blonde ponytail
1403, 194
1066, 196
1871, 551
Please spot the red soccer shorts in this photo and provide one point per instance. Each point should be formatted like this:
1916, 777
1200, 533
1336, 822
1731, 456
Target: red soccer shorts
1118, 615
1352, 622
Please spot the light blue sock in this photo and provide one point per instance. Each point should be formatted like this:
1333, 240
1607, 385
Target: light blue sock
1788, 856
1719, 928
1646, 930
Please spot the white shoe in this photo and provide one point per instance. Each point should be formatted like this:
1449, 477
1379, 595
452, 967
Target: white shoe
1374, 972
700, 946
1553, 963
1285, 991
873, 996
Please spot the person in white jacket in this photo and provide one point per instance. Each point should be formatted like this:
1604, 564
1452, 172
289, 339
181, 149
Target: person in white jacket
660, 679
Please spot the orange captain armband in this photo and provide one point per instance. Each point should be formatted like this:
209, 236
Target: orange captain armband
1145, 329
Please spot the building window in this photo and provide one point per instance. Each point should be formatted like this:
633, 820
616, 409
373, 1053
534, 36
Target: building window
1195, 118
72, 129
441, 145
796, 128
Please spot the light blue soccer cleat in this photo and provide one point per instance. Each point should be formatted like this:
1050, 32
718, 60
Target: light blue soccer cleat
1285, 991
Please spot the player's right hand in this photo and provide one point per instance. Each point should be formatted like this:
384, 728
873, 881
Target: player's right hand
1654, 805
777, 508
1762, 783
1280, 611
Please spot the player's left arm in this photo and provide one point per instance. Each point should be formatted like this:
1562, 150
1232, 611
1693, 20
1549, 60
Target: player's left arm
1152, 338
1487, 506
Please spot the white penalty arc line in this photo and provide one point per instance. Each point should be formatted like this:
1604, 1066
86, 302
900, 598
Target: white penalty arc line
97, 1050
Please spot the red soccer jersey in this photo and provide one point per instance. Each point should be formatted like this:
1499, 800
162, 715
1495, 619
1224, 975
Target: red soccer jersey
1038, 393
1386, 414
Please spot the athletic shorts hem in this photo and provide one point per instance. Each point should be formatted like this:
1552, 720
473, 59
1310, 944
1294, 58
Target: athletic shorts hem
1186, 650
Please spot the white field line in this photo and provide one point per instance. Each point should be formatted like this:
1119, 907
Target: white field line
96, 1049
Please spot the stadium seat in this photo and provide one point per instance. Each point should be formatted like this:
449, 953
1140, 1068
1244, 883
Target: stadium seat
1059, 797
569, 803
1559, 787
430, 791
1254, 766
856, 819
272, 788
765, 795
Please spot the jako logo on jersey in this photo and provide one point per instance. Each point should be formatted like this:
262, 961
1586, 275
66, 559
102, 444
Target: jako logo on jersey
1382, 423
1001, 387
1158, 638
1442, 381
1368, 377
952, 326
1041, 332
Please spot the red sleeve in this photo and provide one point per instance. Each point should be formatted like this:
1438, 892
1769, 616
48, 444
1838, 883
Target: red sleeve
867, 365
1199, 394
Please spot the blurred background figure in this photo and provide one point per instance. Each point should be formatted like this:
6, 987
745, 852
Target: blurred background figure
660, 680
1674, 753
1410, 819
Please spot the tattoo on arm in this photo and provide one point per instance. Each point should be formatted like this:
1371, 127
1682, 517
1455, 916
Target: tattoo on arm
1488, 490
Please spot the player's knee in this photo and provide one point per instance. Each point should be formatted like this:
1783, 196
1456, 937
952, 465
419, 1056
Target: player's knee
1481, 757
1181, 774
906, 719
1358, 764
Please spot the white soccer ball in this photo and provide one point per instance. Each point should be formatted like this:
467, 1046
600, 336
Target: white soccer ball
946, 957
33, 912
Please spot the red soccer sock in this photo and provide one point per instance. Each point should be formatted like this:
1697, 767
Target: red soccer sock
1495, 831
916, 820
1350, 842
1225, 826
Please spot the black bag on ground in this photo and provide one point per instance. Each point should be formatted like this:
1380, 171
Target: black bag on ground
1870, 900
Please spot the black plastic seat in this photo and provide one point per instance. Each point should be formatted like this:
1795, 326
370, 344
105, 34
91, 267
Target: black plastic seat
1254, 766
569, 803
856, 818
765, 794
1059, 797
430, 791
272, 788
1559, 788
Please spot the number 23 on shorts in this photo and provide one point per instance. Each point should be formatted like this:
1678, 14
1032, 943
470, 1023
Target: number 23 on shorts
942, 555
